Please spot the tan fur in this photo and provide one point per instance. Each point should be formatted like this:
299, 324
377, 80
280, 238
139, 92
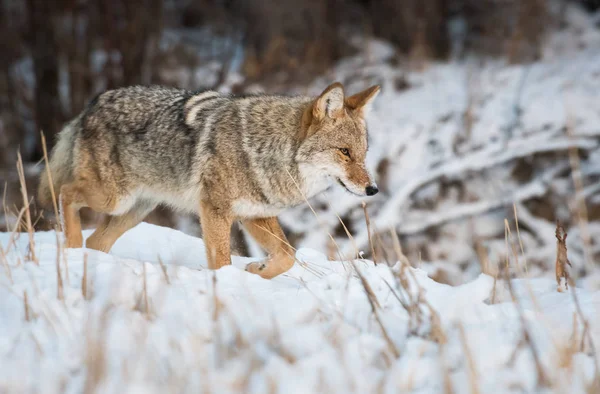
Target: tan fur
60, 163
216, 226
225, 158
268, 233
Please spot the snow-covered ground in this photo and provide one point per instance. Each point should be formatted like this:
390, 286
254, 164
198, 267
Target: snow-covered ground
454, 146
155, 320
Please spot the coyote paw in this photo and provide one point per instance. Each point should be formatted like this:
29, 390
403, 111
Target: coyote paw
256, 267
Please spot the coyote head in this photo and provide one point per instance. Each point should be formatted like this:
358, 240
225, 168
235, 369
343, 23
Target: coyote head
334, 140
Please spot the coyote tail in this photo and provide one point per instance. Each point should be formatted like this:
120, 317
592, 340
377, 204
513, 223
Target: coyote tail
60, 162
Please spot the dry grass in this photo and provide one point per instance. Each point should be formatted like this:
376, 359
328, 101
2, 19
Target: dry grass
543, 380
412, 299
316, 216
145, 291
26, 306
375, 309
586, 337
415, 305
217, 307
562, 261
59, 281
6, 266
519, 238
579, 206
84, 278
163, 267
50, 181
420, 311
26, 204
95, 359
472, 366
368, 222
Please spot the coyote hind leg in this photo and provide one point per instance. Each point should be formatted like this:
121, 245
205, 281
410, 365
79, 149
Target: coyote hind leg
79, 194
114, 226
71, 201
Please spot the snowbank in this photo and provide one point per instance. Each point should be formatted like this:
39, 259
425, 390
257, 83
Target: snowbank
314, 329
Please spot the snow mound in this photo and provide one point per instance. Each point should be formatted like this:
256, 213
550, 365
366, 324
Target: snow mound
156, 320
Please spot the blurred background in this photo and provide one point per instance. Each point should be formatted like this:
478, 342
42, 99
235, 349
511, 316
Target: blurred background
488, 107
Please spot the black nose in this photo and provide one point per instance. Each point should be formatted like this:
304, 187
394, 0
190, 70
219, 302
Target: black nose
371, 190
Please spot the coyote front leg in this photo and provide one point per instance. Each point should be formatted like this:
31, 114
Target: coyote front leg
268, 233
216, 229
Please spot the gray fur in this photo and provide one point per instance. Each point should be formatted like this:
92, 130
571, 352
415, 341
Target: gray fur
143, 138
222, 156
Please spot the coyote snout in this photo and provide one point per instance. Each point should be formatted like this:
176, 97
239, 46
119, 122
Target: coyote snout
372, 190
358, 181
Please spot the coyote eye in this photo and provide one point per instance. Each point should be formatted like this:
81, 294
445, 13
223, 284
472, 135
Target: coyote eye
345, 152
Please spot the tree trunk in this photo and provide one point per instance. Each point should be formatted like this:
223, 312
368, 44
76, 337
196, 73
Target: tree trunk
48, 115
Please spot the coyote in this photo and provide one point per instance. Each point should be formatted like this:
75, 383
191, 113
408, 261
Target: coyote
227, 158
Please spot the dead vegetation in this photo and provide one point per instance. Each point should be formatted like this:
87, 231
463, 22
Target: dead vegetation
562, 261
423, 321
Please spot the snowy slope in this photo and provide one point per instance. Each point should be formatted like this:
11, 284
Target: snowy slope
310, 330
455, 145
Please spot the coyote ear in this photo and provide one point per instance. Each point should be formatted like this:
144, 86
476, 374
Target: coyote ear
330, 103
362, 101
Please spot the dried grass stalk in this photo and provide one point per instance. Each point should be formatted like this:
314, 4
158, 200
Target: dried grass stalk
562, 272
164, 270
375, 307
84, 279
59, 281
50, 182
473, 375
368, 221
26, 306
26, 204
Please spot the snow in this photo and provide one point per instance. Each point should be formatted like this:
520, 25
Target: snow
155, 319
457, 145
312, 329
